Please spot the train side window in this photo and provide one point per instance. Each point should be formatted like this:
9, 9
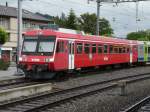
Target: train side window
100, 49
105, 48
87, 48
120, 49
60, 46
93, 48
79, 48
124, 50
115, 49
111, 49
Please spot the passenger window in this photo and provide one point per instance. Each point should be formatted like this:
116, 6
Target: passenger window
79, 48
111, 49
93, 48
105, 48
120, 50
100, 49
115, 49
124, 50
60, 46
87, 48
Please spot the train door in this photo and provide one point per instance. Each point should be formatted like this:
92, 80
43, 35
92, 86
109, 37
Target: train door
140, 51
148, 51
145, 52
71, 55
131, 54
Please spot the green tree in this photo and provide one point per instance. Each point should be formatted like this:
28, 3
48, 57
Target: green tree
87, 23
140, 35
71, 22
61, 22
3, 36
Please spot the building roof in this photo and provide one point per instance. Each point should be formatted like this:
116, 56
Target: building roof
12, 12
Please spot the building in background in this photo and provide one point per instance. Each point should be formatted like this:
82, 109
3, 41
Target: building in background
8, 21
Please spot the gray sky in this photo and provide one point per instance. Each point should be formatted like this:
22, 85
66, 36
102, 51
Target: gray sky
124, 13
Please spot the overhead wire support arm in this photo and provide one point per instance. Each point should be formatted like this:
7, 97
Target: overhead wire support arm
112, 1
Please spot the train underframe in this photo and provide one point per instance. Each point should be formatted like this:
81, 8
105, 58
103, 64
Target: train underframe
42, 71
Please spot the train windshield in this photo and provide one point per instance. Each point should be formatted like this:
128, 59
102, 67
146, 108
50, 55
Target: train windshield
46, 47
38, 45
29, 46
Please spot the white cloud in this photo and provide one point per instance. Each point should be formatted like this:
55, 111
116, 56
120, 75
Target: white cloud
124, 14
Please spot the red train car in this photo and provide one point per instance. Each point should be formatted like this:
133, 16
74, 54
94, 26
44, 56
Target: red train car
46, 53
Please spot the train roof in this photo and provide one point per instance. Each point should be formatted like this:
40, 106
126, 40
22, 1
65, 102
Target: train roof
79, 36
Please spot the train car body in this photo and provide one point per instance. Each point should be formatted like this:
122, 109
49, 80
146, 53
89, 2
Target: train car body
143, 51
48, 52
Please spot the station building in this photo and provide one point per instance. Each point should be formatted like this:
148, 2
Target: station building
8, 21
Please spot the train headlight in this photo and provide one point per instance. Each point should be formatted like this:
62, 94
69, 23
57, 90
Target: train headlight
20, 59
48, 60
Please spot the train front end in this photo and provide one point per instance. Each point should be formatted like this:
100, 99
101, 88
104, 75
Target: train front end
37, 55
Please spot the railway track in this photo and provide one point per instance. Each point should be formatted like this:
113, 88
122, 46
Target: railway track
141, 106
42, 102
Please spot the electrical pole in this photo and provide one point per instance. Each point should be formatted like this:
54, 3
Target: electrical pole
137, 10
114, 1
98, 17
19, 31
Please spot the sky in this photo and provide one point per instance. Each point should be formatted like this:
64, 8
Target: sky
122, 16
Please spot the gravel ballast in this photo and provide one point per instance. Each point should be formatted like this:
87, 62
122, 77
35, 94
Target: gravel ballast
92, 78
108, 101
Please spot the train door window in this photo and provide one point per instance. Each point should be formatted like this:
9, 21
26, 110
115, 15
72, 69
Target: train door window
145, 49
111, 49
93, 48
105, 48
128, 50
149, 50
79, 48
100, 49
60, 46
71, 48
87, 48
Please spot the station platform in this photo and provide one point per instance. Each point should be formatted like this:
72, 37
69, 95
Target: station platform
9, 74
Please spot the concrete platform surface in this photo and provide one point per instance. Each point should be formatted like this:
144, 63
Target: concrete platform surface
8, 74
24, 91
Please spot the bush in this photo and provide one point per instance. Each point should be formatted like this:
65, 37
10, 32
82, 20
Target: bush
4, 65
3, 36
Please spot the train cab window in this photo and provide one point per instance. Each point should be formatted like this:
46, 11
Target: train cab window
93, 48
60, 46
100, 49
87, 48
79, 48
105, 48
111, 49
